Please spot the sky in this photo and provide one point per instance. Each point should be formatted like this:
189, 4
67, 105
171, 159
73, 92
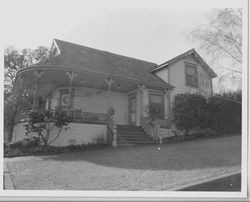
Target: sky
150, 30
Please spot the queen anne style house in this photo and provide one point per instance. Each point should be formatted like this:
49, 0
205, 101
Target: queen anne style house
117, 98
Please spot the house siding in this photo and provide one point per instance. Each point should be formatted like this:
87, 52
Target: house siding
175, 75
96, 100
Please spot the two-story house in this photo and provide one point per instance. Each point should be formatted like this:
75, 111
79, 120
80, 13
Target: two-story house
88, 84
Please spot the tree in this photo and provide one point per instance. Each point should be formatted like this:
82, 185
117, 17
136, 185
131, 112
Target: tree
221, 41
42, 122
14, 60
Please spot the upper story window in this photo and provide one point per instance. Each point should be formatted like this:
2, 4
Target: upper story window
191, 76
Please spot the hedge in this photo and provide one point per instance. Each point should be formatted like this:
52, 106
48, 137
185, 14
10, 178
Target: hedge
221, 112
225, 112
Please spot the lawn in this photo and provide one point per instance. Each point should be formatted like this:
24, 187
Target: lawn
151, 167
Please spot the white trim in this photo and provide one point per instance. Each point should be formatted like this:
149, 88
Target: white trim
54, 45
80, 70
157, 68
191, 53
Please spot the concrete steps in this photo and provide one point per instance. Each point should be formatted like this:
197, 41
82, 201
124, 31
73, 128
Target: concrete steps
132, 135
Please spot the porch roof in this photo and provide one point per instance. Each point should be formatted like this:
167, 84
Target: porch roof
77, 57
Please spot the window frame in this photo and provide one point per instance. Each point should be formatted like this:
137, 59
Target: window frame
65, 91
187, 65
150, 104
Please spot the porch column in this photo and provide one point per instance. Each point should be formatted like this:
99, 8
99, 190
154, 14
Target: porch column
109, 81
167, 104
145, 102
72, 76
138, 105
38, 74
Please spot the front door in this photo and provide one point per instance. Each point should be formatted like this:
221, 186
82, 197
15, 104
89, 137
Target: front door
132, 110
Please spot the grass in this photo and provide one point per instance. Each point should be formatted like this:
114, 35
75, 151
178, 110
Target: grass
152, 167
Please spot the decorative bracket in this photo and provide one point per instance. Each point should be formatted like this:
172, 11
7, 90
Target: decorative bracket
38, 73
167, 92
71, 75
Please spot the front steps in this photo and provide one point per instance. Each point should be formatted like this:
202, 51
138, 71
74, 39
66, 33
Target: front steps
132, 135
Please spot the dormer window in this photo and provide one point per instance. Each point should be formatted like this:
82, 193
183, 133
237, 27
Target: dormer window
191, 75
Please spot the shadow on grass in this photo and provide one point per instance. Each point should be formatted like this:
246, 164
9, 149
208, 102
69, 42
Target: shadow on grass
218, 152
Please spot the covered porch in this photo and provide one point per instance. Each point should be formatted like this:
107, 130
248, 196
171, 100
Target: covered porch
92, 98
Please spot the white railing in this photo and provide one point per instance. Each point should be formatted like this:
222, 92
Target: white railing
111, 131
150, 129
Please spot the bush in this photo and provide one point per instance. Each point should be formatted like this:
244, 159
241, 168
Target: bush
225, 112
190, 111
15, 145
221, 113
42, 122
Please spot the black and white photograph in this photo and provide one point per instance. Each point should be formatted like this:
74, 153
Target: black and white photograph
124, 100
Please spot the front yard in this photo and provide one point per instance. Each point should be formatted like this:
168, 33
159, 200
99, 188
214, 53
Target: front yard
152, 167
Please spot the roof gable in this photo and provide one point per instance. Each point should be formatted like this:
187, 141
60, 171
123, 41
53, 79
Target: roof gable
191, 53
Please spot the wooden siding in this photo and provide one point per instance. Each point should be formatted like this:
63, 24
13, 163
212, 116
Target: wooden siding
96, 100
175, 75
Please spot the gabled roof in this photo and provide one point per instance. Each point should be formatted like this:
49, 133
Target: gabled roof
103, 62
191, 53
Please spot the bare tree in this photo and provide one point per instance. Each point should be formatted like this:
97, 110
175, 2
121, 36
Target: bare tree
221, 41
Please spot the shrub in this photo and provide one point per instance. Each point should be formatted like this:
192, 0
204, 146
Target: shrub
221, 113
225, 112
42, 122
15, 145
190, 111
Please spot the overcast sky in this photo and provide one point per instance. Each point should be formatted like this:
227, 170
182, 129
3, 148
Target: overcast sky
145, 29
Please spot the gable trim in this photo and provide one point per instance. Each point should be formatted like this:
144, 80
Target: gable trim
191, 53
55, 45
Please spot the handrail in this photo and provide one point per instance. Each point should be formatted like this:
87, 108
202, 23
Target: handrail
111, 131
149, 128
110, 128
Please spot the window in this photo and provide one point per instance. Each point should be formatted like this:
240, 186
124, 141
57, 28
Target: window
65, 100
191, 76
156, 106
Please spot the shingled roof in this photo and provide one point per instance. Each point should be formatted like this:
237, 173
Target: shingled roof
103, 62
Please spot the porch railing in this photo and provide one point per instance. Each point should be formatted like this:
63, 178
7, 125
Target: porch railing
74, 116
152, 128
111, 131
77, 116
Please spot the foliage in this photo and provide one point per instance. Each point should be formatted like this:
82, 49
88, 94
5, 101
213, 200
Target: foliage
10, 109
225, 112
189, 111
42, 122
99, 140
22, 146
221, 40
220, 113
14, 60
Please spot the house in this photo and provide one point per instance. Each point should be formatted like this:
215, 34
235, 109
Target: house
89, 84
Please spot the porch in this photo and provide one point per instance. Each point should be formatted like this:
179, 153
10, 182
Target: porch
88, 97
